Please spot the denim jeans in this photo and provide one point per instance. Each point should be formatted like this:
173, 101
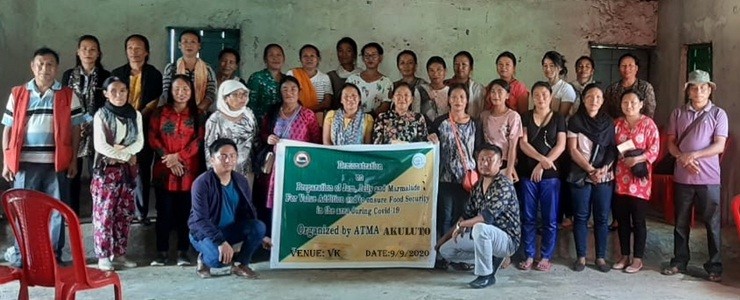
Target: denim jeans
705, 199
540, 197
249, 233
596, 197
450, 205
43, 178
479, 246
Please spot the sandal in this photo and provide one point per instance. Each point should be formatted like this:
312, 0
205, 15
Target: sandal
505, 264
525, 265
543, 265
461, 266
671, 270
714, 277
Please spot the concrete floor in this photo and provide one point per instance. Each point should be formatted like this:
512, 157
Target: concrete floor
173, 282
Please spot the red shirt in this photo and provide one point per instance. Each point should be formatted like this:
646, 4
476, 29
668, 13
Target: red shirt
173, 132
645, 136
517, 90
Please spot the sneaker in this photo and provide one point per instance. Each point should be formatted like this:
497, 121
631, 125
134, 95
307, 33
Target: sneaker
183, 259
122, 261
161, 260
104, 264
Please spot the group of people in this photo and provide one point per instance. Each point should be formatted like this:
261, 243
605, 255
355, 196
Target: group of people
204, 141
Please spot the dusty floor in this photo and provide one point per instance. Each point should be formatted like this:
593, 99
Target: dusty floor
173, 282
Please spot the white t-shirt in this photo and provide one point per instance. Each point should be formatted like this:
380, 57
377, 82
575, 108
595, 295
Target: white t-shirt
321, 83
374, 93
563, 92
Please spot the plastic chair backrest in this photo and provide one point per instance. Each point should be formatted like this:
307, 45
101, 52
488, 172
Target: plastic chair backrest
29, 213
736, 212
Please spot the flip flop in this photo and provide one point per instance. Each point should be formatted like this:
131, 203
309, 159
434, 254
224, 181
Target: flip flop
714, 277
525, 265
543, 266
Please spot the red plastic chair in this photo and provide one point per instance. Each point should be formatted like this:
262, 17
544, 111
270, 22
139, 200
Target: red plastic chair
8, 274
736, 212
29, 213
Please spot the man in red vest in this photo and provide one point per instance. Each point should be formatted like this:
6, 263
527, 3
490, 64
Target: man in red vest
42, 128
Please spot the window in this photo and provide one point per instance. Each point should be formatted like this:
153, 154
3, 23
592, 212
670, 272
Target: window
699, 57
212, 42
606, 60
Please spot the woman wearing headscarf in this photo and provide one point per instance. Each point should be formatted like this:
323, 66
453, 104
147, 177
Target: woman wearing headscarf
118, 136
348, 125
235, 121
591, 178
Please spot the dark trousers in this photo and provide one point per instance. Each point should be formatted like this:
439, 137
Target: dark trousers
450, 205
145, 159
630, 213
173, 210
705, 199
75, 184
249, 233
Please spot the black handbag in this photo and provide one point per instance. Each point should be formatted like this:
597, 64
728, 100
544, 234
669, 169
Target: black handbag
639, 170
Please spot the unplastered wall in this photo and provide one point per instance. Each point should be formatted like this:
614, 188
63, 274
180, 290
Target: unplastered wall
701, 21
485, 28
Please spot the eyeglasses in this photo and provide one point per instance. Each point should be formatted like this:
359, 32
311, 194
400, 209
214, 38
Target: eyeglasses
239, 94
228, 157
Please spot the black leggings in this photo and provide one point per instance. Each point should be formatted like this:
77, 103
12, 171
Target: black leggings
630, 213
173, 210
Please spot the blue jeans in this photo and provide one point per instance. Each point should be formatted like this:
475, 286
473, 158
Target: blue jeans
450, 205
599, 198
249, 233
540, 196
43, 178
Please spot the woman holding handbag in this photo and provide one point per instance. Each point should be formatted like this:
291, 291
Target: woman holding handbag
542, 143
637, 135
455, 133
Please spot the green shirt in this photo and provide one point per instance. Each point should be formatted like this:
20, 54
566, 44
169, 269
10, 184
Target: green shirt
264, 92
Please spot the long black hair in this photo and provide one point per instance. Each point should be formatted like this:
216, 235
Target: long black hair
192, 106
87, 37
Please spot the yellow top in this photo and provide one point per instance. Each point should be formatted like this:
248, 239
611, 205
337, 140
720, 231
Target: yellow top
329, 120
134, 93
